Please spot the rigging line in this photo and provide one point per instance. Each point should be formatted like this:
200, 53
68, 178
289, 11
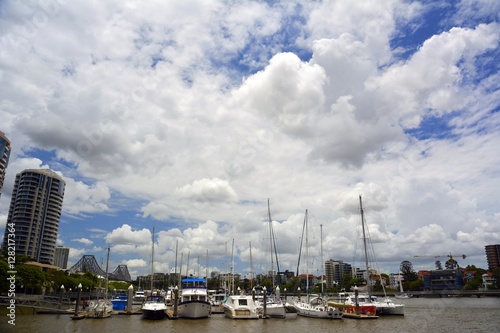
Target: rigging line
373, 257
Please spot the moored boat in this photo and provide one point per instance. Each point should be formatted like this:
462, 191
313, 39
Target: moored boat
240, 307
317, 307
154, 307
119, 301
194, 301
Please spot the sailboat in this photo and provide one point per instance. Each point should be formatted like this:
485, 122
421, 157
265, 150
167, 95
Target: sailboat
154, 306
239, 306
315, 306
274, 307
402, 294
385, 307
102, 307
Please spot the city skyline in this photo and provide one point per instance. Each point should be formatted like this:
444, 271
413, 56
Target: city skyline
186, 117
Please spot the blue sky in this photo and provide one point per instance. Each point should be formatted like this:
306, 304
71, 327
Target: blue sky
187, 116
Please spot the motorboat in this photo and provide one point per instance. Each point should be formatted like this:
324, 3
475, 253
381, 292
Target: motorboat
240, 307
154, 307
193, 302
217, 298
139, 296
119, 301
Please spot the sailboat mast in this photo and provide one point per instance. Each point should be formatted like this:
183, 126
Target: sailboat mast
271, 240
364, 240
301, 241
152, 260
307, 256
232, 267
251, 266
322, 262
107, 279
176, 249
206, 269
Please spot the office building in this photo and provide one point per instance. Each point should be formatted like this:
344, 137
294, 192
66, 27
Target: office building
61, 255
35, 211
4, 157
444, 279
493, 256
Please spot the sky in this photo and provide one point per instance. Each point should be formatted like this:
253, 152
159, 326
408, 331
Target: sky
186, 117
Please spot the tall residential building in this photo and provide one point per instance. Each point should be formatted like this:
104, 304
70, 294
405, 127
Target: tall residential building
35, 211
335, 271
61, 255
4, 157
493, 256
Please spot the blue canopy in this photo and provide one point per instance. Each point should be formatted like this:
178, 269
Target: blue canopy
193, 279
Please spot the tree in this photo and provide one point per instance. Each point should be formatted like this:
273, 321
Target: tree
451, 264
406, 269
31, 277
4, 268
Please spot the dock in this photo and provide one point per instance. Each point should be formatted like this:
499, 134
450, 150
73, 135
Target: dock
359, 316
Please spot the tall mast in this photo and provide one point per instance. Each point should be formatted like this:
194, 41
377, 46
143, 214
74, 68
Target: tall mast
251, 266
206, 269
271, 240
152, 260
364, 241
307, 257
301, 240
176, 249
232, 267
322, 262
107, 279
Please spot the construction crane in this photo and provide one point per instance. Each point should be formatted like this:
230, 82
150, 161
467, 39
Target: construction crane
438, 256
450, 263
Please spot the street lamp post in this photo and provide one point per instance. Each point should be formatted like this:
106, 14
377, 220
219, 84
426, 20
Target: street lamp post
61, 296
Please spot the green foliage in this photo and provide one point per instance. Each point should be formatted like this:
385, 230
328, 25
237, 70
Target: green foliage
414, 285
406, 269
4, 267
118, 285
31, 277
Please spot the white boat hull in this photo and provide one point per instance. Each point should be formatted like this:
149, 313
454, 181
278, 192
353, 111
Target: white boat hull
194, 309
318, 311
240, 307
154, 308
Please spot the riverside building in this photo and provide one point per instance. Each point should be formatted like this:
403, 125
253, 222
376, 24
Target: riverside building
4, 157
35, 211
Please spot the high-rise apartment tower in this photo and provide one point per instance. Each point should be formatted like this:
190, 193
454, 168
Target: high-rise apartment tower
61, 256
4, 157
493, 256
35, 211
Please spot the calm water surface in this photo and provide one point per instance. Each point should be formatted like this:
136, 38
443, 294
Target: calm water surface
421, 315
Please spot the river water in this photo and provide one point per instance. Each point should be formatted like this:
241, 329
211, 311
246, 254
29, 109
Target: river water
421, 315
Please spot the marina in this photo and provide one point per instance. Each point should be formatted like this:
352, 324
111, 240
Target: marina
422, 314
